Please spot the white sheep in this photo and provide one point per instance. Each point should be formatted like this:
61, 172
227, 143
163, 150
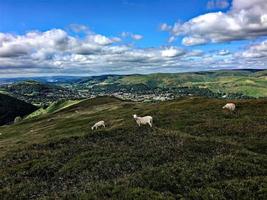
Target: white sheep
143, 120
229, 106
98, 124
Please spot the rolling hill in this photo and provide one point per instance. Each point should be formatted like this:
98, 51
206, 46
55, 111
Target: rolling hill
52, 108
194, 151
38, 93
252, 83
11, 108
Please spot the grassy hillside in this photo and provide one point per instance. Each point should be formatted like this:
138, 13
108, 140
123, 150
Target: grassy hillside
11, 108
53, 107
249, 83
195, 151
252, 83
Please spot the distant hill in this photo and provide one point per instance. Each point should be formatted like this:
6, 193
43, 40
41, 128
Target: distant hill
48, 79
249, 83
11, 108
38, 93
195, 150
252, 83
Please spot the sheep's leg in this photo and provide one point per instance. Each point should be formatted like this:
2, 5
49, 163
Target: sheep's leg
150, 124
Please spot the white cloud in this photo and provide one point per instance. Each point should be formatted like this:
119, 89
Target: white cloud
132, 35
223, 52
136, 36
256, 51
217, 4
77, 28
194, 40
99, 39
165, 27
245, 20
57, 52
172, 52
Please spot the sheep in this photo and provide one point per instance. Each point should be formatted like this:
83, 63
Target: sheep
143, 120
229, 106
98, 124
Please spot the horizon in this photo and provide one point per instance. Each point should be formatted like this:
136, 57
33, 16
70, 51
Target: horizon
133, 74
93, 38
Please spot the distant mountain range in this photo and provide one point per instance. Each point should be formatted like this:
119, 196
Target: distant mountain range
75, 79
45, 79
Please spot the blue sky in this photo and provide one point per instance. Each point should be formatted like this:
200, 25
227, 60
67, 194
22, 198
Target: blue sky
107, 17
57, 37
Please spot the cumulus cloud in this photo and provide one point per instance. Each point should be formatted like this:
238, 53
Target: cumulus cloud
58, 52
172, 52
256, 51
244, 20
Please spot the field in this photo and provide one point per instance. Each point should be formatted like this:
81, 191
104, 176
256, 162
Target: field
194, 151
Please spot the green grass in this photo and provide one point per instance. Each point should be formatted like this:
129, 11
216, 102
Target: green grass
52, 108
195, 151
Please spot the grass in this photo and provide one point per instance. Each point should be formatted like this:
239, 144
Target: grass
52, 108
195, 151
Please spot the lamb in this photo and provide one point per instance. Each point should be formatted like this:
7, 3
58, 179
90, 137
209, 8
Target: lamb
98, 124
143, 120
229, 106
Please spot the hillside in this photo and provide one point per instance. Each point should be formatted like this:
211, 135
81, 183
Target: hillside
194, 151
11, 108
229, 84
52, 108
252, 83
38, 93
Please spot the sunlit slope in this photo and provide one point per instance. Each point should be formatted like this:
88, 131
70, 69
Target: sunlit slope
53, 107
194, 151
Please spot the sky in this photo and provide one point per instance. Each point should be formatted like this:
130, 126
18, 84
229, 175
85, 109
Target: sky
94, 37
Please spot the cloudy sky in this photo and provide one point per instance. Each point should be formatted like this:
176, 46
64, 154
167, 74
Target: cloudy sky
78, 37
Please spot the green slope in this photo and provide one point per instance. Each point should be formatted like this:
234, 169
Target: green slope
195, 151
11, 108
53, 107
253, 84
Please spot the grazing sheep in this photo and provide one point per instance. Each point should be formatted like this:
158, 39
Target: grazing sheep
143, 120
98, 124
229, 106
